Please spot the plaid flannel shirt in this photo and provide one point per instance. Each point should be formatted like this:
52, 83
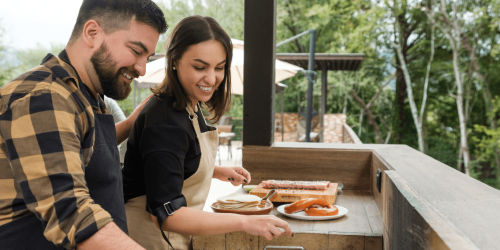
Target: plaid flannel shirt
46, 141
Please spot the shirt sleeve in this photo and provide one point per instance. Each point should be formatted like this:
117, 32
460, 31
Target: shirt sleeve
114, 109
44, 142
163, 149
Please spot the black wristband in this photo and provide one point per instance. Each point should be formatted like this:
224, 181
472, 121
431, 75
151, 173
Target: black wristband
167, 209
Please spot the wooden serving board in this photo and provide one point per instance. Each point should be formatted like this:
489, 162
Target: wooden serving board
292, 195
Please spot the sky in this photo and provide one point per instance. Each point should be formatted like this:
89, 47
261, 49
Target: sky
30, 22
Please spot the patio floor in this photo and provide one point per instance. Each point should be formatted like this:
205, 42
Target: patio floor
231, 157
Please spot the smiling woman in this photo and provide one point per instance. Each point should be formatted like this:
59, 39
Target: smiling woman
201, 70
203, 59
170, 161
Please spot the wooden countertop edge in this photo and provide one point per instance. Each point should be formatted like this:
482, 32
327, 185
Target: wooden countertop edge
452, 236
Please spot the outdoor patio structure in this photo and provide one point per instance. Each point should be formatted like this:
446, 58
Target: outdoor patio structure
324, 62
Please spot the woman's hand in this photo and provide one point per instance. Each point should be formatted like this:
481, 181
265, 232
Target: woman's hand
235, 175
265, 225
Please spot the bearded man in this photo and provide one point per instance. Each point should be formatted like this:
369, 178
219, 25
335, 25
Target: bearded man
60, 177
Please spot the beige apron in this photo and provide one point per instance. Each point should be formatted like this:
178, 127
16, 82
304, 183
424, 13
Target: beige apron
140, 225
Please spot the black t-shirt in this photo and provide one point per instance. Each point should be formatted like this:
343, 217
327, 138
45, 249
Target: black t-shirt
162, 152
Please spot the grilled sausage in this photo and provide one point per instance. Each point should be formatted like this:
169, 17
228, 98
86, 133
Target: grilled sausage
303, 204
322, 211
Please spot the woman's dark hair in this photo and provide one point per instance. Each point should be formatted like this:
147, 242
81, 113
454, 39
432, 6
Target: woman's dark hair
191, 31
114, 15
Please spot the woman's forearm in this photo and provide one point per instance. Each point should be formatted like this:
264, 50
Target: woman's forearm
216, 172
194, 222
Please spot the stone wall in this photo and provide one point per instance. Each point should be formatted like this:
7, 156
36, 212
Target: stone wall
293, 130
333, 131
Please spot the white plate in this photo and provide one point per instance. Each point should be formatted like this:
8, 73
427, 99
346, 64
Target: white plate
302, 215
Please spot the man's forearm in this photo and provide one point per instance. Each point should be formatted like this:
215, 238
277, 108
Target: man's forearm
109, 237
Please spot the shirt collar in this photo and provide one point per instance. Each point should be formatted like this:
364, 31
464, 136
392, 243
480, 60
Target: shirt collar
70, 72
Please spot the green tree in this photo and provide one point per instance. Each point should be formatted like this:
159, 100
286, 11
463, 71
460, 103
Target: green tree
30, 58
488, 144
342, 27
480, 40
5, 68
228, 13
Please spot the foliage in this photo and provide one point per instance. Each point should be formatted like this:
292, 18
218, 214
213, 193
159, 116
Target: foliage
24, 59
228, 13
236, 109
487, 143
342, 27
5, 67
30, 58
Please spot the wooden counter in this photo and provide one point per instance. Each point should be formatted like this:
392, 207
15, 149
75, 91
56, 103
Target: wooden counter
424, 203
421, 204
361, 228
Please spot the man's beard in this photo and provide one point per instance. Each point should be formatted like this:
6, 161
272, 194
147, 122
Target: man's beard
104, 67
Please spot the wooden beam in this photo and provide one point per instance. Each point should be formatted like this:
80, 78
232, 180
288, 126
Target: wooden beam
259, 64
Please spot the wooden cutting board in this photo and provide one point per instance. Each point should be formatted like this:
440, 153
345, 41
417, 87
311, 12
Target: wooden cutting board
292, 195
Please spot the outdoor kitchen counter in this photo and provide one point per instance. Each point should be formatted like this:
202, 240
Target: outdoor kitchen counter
360, 228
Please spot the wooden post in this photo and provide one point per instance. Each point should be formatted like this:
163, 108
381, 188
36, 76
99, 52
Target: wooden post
258, 79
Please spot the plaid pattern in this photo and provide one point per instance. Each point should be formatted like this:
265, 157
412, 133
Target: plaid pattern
46, 141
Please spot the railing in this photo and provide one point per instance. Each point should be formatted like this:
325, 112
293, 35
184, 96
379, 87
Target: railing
348, 135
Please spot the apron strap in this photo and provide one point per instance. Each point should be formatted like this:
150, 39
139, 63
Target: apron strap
194, 118
166, 239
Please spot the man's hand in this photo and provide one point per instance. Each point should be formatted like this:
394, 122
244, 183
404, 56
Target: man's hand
123, 128
235, 175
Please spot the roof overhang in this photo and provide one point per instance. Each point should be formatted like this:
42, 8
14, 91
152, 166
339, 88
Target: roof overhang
348, 61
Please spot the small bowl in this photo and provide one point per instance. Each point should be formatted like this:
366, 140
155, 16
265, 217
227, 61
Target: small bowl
267, 210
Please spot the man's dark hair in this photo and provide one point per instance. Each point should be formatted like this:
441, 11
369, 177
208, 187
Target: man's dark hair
114, 15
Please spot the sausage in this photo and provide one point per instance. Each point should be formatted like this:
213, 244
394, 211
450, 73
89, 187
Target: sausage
303, 204
322, 210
